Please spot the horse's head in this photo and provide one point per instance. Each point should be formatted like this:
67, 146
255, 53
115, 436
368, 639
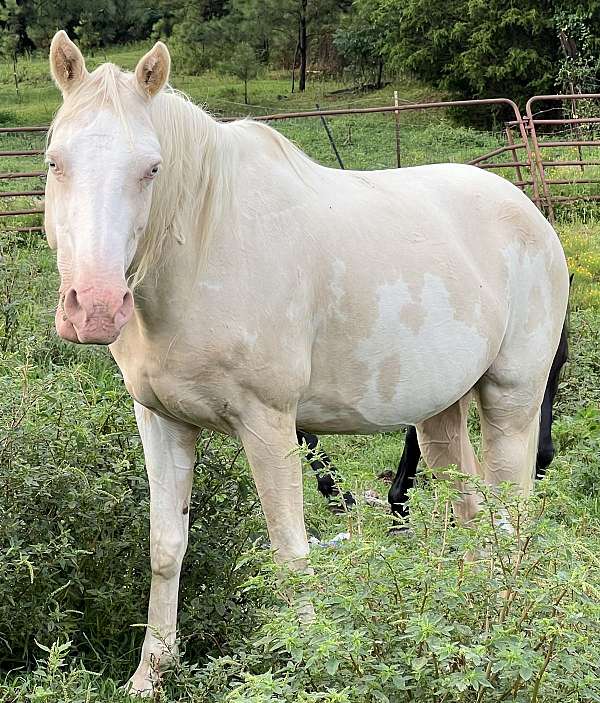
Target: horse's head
103, 156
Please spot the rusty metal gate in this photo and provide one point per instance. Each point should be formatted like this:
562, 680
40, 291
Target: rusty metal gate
29, 184
520, 158
569, 141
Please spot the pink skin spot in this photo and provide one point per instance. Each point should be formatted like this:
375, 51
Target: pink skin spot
89, 314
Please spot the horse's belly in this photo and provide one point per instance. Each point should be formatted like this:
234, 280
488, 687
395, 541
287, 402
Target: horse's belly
401, 362
386, 398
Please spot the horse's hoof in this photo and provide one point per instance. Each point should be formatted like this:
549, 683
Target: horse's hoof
138, 690
143, 682
336, 508
341, 504
387, 476
400, 530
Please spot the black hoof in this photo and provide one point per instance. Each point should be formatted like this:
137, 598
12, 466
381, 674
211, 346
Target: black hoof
399, 510
341, 504
400, 530
387, 476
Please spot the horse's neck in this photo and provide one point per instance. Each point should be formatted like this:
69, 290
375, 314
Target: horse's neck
208, 242
187, 194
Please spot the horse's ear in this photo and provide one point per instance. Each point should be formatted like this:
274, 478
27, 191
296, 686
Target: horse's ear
66, 63
152, 71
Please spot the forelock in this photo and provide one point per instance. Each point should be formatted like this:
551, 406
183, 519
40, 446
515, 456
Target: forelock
106, 87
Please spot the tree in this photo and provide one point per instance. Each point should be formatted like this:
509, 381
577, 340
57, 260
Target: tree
243, 65
468, 48
579, 65
10, 35
361, 40
288, 25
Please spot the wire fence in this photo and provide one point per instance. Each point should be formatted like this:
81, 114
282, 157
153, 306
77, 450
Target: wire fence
394, 136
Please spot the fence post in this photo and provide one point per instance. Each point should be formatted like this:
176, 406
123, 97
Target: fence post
515, 156
330, 137
397, 118
539, 162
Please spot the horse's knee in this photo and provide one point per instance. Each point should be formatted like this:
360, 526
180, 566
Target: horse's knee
166, 552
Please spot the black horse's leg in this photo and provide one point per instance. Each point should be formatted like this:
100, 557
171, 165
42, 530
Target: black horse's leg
322, 466
545, 452
405, 475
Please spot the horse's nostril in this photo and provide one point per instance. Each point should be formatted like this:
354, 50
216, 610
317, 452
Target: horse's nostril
71, 303
127, 304
125, 311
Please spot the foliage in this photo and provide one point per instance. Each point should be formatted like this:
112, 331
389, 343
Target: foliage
243, 65
446, 613
423, 622
360, 39
470, 48
467, 48
578, 69
30, 24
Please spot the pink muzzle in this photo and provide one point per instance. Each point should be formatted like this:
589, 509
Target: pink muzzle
93, 315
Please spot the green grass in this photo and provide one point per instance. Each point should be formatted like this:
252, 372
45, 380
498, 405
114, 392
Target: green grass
222, 95
581, 241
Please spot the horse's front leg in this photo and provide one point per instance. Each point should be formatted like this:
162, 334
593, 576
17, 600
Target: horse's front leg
169, 449
269, 439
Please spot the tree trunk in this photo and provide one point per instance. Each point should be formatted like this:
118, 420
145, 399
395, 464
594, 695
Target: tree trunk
245, 91
294, 66
303, 46
380, 74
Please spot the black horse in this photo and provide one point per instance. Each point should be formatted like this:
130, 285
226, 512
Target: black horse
407, 468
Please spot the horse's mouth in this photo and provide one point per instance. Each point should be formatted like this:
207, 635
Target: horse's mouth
95, 332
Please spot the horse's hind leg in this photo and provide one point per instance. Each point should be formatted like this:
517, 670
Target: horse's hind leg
405, 475
324, 470
545, 452
509, 414
444, 440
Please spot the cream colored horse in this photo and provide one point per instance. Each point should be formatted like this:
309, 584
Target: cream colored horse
271, 292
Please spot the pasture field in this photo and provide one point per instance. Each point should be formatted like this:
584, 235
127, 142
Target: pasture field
399, 617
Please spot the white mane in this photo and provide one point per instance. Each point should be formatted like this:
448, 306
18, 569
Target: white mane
194, 190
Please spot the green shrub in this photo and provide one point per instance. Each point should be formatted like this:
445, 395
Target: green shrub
418, 619
74, 532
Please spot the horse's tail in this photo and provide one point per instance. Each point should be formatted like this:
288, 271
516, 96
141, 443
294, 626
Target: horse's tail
545, 452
